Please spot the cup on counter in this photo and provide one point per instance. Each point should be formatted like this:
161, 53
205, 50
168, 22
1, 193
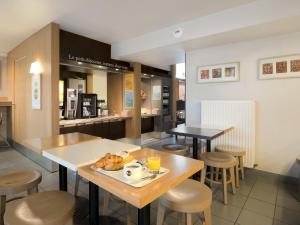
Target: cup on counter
153, 163
133, 171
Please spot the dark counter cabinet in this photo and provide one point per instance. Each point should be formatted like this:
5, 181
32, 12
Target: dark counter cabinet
110, 130
147, 124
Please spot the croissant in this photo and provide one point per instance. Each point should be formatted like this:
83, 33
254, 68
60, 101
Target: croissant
108, 159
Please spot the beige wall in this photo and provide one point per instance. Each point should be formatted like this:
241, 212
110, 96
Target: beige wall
3, 77
42, 46
278, 101
98, 84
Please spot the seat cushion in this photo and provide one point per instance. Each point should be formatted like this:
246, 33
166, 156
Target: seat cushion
175, 149
218, 159
44, 208
231, 149
188, 197
19, 181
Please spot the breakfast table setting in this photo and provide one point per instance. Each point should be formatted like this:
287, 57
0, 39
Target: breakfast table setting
136, 176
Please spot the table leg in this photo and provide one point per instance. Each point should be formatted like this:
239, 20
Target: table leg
63, 178
208, 145
195, 148
93, 203
144, 215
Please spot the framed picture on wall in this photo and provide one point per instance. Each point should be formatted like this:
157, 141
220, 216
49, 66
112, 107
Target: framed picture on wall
279, 67
218, 73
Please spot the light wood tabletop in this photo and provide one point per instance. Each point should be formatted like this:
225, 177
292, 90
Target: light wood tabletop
181, 168
40, 144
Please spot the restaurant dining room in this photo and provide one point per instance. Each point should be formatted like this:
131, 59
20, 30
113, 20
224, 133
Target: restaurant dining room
149, 112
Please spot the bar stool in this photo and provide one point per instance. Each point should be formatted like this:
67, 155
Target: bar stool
44, 208
17, 182
188, 197
222, 161
176, 149
239, 154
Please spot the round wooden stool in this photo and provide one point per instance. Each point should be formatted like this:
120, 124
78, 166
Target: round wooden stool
44, 208
17, 182
223, 161
239, 154
175, 149
188, 197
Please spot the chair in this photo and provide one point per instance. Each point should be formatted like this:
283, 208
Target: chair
239, 154
223, 161
17, 182
44, 208
175, 149
186, 198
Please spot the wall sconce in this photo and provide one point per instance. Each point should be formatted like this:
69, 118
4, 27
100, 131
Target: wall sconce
36, 70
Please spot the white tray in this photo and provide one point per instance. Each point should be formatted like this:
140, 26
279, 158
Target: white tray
118, 175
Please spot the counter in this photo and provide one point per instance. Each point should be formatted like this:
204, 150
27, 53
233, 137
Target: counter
110, 127
147, 115
63, 123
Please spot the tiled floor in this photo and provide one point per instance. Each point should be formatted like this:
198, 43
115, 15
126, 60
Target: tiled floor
262, 199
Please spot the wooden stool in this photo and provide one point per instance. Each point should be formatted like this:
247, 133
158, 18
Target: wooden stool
44, 208
239, 154
17, 182
222, 161
175, 149
188, 197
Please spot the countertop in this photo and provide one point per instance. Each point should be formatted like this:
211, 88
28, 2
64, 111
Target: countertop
5, 103
91, 120
146, 115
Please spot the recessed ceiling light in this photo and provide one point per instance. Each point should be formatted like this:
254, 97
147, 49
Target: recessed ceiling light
145, 74
152, 75
117, 69
177, 33
79, 63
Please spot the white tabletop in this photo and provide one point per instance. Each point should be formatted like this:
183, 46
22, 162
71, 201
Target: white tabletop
75, 156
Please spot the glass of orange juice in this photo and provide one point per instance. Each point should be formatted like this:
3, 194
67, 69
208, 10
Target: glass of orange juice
153, 163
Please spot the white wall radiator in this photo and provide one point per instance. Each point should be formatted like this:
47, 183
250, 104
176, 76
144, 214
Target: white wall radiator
240, 115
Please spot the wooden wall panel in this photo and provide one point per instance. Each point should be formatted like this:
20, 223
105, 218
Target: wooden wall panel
115, 92
42, 46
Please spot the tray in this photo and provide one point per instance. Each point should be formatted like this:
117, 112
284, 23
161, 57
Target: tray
118, 175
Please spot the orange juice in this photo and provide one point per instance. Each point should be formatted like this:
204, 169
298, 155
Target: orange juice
153, 163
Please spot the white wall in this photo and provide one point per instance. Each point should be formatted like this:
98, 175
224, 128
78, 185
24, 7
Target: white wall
3, 77
278, 101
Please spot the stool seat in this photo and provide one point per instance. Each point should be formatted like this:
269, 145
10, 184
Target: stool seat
233, 150
19, 181
218, 159
44, 208
175, 149
188, 197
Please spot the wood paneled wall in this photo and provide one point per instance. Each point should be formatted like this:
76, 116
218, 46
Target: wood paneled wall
43, 46
115, 92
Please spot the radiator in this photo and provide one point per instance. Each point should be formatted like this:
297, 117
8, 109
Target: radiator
240, 115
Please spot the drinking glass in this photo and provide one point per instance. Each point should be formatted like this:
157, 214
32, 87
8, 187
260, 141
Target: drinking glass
153, 163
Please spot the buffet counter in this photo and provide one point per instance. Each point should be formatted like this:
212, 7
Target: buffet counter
110, 127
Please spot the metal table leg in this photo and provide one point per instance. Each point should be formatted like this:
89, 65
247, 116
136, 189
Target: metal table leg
144, 215
195, 148
208, 145
63, 178
93, 204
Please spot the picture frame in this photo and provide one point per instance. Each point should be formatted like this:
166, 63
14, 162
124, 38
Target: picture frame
279, 67
227, 72
36, 91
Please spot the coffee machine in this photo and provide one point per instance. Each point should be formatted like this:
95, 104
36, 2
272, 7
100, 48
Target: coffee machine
72, 101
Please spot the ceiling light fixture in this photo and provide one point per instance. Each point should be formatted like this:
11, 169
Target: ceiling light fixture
178, 32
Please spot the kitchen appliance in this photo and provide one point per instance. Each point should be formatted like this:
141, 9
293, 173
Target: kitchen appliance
87, 105
72, 100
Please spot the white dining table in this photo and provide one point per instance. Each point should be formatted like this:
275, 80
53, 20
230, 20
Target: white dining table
74, 156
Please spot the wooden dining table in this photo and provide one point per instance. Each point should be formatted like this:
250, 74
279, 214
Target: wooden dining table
180, 169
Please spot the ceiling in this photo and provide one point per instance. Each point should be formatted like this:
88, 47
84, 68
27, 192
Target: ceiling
104, 20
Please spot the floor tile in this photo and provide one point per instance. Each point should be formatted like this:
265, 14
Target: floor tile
289, 203
236, 200
227, 212
264, 195
287, 216
250, 218
288, 190
277, 222
260, 207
